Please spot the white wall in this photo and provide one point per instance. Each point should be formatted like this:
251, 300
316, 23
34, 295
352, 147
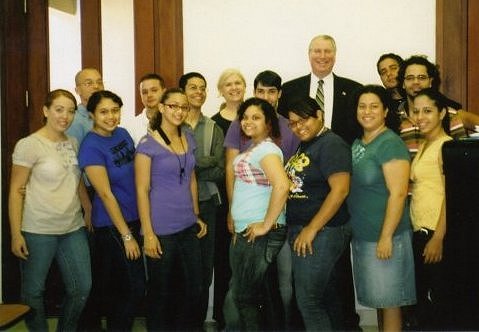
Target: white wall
254, 35
118, 52
65, 49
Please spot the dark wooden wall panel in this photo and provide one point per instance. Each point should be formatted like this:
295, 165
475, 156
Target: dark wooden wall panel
144, 18
158, 41
169, 42
451, 47
473, 57
14, 120
90, 11
38, 60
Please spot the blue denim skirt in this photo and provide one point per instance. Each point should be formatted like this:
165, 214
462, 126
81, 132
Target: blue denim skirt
384, 283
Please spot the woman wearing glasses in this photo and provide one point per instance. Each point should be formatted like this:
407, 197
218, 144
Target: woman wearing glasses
317, 217
418, 73
106, 154
168, 206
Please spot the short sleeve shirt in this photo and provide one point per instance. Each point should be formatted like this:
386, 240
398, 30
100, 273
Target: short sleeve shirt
170, 192
52, 204
116, 154
252, 189
309, 170
368, 195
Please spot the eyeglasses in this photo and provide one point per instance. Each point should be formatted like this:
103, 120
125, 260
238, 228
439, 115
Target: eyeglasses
420, 78
295, 124
177, 108
90, 83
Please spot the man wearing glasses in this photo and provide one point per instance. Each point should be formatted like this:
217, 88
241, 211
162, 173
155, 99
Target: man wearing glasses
418, 73
87, 81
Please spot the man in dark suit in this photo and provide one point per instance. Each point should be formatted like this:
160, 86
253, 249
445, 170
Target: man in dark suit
335, 99
338, 91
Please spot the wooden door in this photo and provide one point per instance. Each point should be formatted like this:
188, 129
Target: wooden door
24, 85
457, 50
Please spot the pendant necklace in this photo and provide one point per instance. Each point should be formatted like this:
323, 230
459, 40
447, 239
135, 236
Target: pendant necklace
168, 143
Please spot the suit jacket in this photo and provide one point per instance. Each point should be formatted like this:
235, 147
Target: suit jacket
342, 122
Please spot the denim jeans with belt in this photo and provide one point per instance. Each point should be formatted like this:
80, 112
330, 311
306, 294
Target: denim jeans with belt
314, 279
181, 249
249, 262
122, 280
73, 258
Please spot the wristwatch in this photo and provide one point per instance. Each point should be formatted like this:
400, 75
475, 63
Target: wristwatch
127, 237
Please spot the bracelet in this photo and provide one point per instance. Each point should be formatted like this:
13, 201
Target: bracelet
127, 237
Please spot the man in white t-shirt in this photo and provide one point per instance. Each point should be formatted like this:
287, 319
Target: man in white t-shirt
151, 89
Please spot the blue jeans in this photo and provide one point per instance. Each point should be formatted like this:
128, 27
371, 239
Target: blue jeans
278, 288
73, 258
121, 280
314, 278
183, 249
285, 280
249, 262
207, 244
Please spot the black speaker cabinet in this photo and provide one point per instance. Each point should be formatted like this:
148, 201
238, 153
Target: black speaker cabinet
461, 245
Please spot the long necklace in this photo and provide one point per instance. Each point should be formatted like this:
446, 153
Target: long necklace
168, 142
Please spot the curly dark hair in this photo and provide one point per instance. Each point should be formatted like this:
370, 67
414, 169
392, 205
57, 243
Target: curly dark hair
431, 68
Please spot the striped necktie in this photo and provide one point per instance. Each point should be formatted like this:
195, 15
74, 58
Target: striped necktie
320, 95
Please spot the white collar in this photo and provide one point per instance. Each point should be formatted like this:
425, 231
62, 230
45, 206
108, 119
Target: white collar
326, 79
